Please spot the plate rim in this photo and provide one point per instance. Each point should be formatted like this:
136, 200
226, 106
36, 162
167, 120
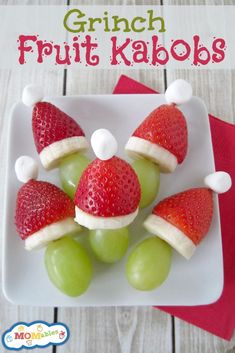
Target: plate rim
213, 298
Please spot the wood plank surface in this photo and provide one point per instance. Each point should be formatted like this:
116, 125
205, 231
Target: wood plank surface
12, 83
189, 338
220, 102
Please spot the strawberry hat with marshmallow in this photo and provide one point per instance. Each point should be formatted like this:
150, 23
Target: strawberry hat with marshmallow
55, 133
183, 220
108, 193
43, 211
163, 137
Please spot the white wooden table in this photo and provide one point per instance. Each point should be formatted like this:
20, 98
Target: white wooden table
131, 329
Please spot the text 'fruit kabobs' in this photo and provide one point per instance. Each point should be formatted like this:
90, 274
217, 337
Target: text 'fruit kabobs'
105, 195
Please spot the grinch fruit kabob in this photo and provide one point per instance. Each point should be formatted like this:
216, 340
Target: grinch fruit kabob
44, 216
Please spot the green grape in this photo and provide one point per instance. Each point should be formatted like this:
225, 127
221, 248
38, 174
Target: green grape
109, 245
68, 266
71, 169
148, 264
149, 178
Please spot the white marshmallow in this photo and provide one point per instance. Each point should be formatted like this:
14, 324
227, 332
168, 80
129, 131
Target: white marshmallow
219, 182
32, 94
26, 169
179, 92
104, 144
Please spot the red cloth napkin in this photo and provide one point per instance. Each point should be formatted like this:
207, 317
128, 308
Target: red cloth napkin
217, 318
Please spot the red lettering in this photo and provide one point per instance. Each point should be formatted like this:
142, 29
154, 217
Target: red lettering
157, 52
141, 51
92, 60
118, 51
43, 49
76, 47
19, 335
218, 47
58, 58
23, 48
199, 52
180, 57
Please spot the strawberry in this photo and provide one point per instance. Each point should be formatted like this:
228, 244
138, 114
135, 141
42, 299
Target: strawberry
50, 125
108, 188
56, 134
183, 219
108, 193
40, 204
43, 212
163, 136
190, 211
166, 127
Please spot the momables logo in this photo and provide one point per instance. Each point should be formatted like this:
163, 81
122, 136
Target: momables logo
38, 334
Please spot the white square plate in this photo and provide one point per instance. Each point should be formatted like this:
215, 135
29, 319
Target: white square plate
194, 282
